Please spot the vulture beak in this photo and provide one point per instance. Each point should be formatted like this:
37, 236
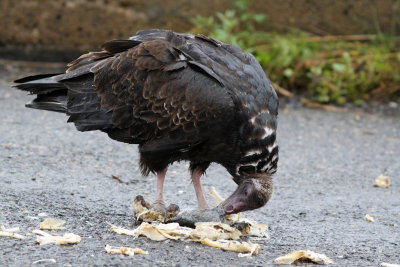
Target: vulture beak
252, 193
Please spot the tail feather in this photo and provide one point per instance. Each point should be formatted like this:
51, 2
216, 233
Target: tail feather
92, 121
40, 84
54, 101
35, 77
50, 94
71, 93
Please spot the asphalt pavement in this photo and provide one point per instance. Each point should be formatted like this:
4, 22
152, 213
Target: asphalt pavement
323, 190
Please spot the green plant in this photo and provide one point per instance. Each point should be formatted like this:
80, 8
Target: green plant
326, 70
333, 72
235, 25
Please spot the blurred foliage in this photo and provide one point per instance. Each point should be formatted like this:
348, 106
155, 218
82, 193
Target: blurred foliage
234, 26
328, 70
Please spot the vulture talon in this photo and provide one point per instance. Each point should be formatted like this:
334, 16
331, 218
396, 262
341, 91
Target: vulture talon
143, 211
159, 207
172, 211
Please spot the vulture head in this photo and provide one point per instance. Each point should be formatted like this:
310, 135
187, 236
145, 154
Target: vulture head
252, 193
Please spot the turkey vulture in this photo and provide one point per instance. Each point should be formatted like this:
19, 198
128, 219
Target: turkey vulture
179, 97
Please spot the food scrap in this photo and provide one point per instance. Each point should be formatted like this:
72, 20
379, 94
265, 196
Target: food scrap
11, 232
369, 218
163, 231
122, 231
247, 227
212, 234
382, 181
67, 239
303, 255
160, 232
244, 247
127, 251
52, 224
156, 232
214, 231
208, 227
384, 264
215, 195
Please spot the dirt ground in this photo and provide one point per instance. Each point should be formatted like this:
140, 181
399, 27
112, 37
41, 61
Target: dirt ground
323, 190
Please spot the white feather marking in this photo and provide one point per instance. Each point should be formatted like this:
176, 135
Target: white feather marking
274, 157
269, 166
268, 132
271, 147
253, 152
266, 167
248, 164
182, 57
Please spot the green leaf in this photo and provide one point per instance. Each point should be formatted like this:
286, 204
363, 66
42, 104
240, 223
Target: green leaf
259, 17
240, 5
358, 102
338, 67
288, 72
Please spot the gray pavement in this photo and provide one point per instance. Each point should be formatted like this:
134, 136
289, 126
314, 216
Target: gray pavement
323, 189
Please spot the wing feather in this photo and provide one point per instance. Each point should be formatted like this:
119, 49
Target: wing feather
152, 90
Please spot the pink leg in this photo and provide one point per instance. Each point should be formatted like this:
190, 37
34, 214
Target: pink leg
201, 201
158, 205
160, 186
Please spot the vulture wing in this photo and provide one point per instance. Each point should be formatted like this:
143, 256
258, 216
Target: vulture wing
156, 94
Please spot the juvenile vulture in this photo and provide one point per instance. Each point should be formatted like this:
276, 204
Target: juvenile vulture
179, 97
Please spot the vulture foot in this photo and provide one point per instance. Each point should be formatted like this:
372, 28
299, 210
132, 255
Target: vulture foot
159, 207
144, 211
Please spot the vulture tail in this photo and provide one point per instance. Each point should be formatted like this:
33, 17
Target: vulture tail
50, 94
71, 93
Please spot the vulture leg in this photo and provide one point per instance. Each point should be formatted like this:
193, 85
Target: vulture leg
157, 211
201, 200
159, 205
